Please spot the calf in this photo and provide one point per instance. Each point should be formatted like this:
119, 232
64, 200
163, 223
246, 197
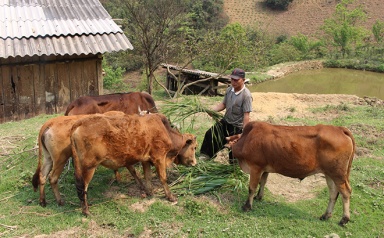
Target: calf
122, 141
129, 103
54, 152
297, 152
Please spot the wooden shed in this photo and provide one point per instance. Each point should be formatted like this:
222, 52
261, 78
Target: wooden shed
204, 83
51, 53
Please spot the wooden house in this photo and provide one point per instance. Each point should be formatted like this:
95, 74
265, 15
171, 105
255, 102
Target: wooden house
51, 53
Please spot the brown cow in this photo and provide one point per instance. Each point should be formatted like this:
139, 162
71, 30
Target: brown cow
112, 102
55, 146
120, 141
297, 152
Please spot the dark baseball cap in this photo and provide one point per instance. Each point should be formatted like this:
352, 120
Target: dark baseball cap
237, 74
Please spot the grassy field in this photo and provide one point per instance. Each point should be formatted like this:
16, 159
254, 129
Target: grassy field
119, 210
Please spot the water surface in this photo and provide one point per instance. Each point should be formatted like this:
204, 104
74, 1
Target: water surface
327, 81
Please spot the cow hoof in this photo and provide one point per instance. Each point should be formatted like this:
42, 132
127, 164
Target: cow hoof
43, 203
258, 198
343, 221
86, 213
172, 198
148, 193
246, 207
325, 217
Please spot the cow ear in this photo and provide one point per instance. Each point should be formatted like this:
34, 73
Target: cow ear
190, 139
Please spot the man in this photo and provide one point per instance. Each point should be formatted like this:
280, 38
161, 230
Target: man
238, 104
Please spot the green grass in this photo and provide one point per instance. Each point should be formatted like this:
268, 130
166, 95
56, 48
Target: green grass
214, 214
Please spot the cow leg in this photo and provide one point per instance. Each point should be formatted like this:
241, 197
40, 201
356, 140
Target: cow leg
161, 171
133, 172
263, 181
345, 190
45, 169
58, 168
333, 194
118, 176
254, 179
82, 183
148, 178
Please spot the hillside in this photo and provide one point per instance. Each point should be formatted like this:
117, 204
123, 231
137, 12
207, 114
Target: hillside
303, 16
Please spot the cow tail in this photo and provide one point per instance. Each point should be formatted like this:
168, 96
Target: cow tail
79, 180
69, 108
349, 134
36, 176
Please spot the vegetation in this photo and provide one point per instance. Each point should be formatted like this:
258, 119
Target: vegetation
278, 4
212, 214
343, 28
196, 34
113, 78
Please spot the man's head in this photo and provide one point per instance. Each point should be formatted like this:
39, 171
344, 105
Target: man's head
238, 74
237, 79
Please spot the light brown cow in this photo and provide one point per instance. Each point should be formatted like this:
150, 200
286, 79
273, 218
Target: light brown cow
129, 103
54, 152
297, 152
120, 141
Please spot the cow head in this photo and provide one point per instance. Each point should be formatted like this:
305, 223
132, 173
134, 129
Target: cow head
231, 140
186, 155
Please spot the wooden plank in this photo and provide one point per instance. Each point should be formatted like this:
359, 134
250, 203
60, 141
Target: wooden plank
24, 89
11, 95
75, 76
2, 78
63, 90
89, 80
50, 79
99, 74
39, 88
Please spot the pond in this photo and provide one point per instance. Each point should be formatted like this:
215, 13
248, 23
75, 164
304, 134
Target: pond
327, 81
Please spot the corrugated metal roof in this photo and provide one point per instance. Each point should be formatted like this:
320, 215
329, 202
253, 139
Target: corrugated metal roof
57, 27
70, 45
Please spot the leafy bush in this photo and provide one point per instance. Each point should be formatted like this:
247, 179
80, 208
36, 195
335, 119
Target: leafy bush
309, 49
283, 52
378, 30
113, 78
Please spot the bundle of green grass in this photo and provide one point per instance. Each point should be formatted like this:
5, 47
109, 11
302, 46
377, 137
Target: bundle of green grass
206, 176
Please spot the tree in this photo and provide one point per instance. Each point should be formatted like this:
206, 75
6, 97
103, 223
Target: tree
378, 31
343, 28
153, 26
305, 46
207, 15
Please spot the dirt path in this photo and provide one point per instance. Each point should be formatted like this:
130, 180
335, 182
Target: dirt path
281, 105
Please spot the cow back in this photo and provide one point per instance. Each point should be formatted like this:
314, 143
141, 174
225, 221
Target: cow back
129, 103
294, 151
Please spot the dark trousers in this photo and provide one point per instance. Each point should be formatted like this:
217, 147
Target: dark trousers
214, 139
